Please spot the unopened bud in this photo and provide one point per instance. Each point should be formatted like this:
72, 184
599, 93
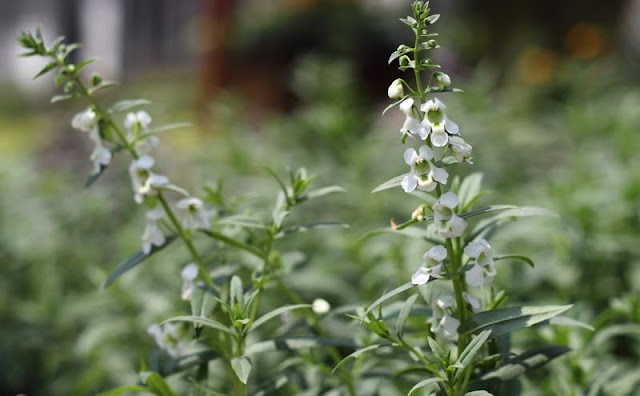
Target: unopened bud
320, 306
420, 213
396, 89
404, 61
443, 80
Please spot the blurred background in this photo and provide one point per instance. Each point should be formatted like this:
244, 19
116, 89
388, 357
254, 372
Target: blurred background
551, 106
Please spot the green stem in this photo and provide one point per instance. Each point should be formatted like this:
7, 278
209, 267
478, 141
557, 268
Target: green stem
416, 63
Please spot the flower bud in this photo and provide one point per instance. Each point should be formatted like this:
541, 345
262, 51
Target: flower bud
396, 89
432, 43
404, 61
320, 306
419, 214
443, 80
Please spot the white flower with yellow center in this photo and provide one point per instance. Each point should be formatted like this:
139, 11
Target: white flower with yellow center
437, 123
152, 235
448, 223
424, 175
442, 323
412, 125
189, 274
195, 215
484, 270
431, 266
143, 180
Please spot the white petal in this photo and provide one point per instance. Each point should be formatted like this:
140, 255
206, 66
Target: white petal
320, 306
475, 276
410, 156
426, 152
409, 182
426, 184
439, 174
420, 277
439, 103
130, 120
451, 126
437, 253
439, 137
457, 226
189, 272
450, 326
428, 105
473, 249
424, 130
144, 162
475, 303
445, 301
406, 106
449, 200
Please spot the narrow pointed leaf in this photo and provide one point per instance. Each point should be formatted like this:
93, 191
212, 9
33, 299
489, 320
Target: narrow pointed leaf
388, 295
276, 312
357, 354
515, 257
123, 389
523, 363
479, 393
404, 315
156, 384
323, 191
422, 384
134, 260
231, 242
469, 188
46, 69
391, 183
203, 321
506, 320
437, 350
293, 343
310, 226
125, 105
470, 351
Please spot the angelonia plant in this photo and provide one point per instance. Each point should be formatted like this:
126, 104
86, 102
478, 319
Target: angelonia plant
224, 283
465, 347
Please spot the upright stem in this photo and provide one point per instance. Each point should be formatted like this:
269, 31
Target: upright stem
416, 61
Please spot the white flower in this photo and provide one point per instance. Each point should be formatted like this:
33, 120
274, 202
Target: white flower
474, 301
441, 322
195, 215
140, 119
431, 266
448, 224
152, 236
85, 121
189, 274
101, 156
437, 122
424, 174
137, 123
443, 80
460, 149
320, 306
143, 180
412, 125
484, 270
396, 89
168, 337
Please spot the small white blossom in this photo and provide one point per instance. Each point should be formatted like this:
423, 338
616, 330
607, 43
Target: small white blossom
412, 125
152, 235
442, 323
100, 156
137, 123
195, 214
168, 337
484, 270
443, 80
189, 274
85, 121
448, 223
396, 89
143, 180
460, 149
140, 119
320, 306
437, 123
431, 266
474, 301
424, 174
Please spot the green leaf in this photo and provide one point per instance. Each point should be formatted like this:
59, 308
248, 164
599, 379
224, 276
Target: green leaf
60, 98
488, 209
523, 363
404, 314
357, 354
427, 234
422, 384
134, 260
236, 291
470, 351
387, 296
243, 221
438, 352
392, 105
569, 322
391, 183
310, 226
124, 105
203, 321
280, 182
320, 192
50, 66
396, 54
231, 242
506, 320
161, 129
123, 389
269, 387
516, 257
508, 215
431, 19
156, 384
84, 63
202, 304
95, 176
293, 343
469, 188
242, 367
276, 312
